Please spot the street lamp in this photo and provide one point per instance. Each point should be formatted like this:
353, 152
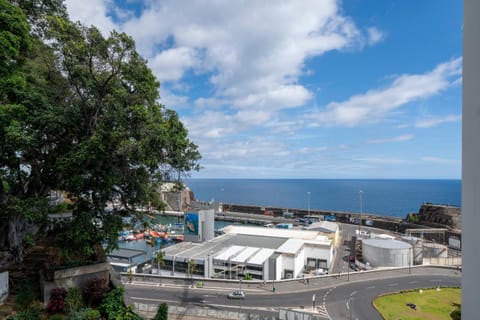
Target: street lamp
361, 209
308, 202
240, 284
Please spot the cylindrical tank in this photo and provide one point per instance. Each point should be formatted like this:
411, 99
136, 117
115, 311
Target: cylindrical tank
434, 250
417, 249
386, 253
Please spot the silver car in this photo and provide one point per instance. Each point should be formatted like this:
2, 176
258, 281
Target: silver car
236, 295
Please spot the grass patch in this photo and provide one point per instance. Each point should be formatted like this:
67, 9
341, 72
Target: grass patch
431, 304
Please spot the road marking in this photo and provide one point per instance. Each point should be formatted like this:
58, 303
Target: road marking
154, 300
412, 282
372, 287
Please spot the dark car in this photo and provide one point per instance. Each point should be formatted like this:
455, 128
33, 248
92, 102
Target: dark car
236, 295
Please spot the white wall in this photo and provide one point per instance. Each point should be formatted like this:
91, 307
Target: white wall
470, 159
318, 252
299, 263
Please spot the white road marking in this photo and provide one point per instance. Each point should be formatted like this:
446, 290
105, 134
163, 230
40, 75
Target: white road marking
372, 287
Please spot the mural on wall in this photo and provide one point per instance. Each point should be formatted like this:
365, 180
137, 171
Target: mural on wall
191, 223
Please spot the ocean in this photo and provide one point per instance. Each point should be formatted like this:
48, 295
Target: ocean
383, 197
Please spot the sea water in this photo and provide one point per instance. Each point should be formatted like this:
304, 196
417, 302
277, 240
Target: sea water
383, 197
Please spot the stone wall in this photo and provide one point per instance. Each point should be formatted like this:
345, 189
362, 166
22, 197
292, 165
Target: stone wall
440, 216
73, 277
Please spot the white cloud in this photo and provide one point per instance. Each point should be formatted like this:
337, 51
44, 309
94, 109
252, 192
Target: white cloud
173, 101
376, 104
432, 122
374, 36
404, 137
438, 160
170, 65
375, 160
92, 13
253, 52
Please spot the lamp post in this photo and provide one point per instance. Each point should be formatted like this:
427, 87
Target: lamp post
240, 284
410, 260
361, 209
308, 202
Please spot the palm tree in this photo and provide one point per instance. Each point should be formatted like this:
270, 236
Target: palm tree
160, 258
192, 268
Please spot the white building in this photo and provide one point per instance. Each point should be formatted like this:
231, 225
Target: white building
263, 253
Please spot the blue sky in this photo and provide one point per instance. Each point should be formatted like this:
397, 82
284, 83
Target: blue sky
305, 89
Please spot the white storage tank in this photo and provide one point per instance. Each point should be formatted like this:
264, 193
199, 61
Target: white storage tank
417, 245
434, 250
386, 253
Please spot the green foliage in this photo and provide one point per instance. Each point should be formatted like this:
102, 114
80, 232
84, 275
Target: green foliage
74, 299
25, 297
113, 308
83, 314
162, 312
112, 304
79, 113
456, 314
32, 313
247, 276
92, 314
160, 258
56, 317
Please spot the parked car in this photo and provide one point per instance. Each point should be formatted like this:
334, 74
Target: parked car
236, 295
321, 272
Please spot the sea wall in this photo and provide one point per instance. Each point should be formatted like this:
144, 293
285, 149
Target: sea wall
431, 216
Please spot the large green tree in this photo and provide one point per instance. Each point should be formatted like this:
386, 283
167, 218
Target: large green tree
85, 119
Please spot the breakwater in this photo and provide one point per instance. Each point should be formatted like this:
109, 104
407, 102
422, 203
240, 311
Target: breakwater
277, 214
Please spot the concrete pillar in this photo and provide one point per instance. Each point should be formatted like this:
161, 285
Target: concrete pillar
471, 160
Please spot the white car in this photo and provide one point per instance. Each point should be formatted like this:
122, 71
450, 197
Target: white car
236, 295
321, 272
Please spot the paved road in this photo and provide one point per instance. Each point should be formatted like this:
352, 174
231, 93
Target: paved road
332, 294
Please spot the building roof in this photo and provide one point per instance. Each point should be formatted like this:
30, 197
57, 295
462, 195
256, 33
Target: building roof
245, 254
229, 253
324, 226
271, 232
292, 246
260, 256
125, 253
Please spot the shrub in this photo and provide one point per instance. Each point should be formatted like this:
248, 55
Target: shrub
57, 300
112, 304
162, 312
25, 297
456, 314
92, 314
33, 313
56, 317
83, 314
74, 300
95, 291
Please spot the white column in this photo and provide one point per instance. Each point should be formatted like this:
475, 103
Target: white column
471, 160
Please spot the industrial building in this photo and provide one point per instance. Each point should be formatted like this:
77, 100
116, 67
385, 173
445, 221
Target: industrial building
263, 253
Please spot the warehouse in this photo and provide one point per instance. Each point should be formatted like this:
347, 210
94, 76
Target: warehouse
262, 253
